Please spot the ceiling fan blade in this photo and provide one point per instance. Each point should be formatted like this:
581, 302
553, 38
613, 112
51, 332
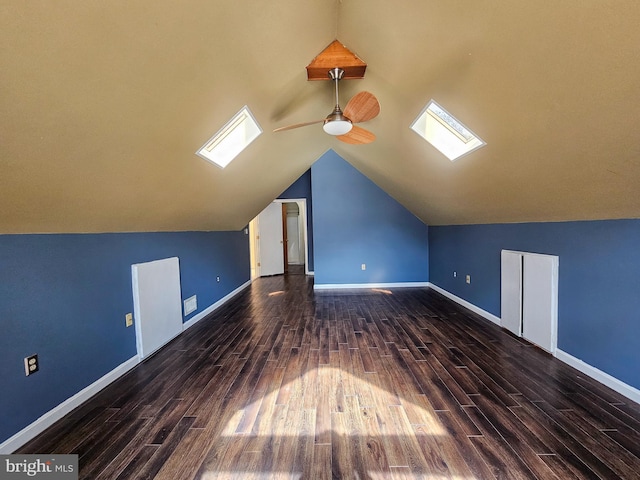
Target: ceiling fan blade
357, 136
297, 125
362, 107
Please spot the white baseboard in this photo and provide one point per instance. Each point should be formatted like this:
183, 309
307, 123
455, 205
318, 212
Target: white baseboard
45, 421
196, 318
40, 425
340, 286
483, 313
602, 377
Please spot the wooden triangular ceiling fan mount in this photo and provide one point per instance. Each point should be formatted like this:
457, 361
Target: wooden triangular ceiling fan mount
337, 62
336, 55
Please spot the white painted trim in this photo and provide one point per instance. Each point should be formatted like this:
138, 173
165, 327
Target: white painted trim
45, 421
311, 272
341, 286
489, 316
302, 205
196, 318
602, 377
618, 385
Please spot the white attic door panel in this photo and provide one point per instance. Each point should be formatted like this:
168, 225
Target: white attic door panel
157, 303
540, 307
511, 291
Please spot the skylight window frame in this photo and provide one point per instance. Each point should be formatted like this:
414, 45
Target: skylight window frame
242, 117
451, 124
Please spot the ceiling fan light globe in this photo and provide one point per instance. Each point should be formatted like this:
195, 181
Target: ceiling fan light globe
337, 127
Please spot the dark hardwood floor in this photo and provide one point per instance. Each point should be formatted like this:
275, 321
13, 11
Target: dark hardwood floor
283, 382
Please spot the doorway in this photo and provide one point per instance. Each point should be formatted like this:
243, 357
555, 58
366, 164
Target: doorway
278, 239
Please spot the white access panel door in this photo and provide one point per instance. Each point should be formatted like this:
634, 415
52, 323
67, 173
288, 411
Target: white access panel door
540, 306
511, 291
271, 240
157, 303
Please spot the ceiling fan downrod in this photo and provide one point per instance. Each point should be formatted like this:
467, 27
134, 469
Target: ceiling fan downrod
336, 123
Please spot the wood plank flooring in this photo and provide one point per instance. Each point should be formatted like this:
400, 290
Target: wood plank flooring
286, 383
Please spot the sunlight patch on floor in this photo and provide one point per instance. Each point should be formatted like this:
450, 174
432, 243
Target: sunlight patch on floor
343, 384
382, 290
394, 475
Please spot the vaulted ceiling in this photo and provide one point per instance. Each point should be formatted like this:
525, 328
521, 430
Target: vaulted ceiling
103, 104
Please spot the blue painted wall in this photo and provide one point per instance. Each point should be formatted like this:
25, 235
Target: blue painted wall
355, 222
64, 297
301, 188
599, 281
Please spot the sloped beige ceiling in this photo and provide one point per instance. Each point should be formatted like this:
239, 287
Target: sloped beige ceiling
103, 104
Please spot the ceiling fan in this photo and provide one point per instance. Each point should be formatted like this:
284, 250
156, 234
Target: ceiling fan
362, 107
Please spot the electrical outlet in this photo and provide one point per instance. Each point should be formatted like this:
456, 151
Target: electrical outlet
363, 266
31, 364
455, 274
128, 318
469, 279
218, 279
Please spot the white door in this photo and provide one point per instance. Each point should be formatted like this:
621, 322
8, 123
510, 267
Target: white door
540, 306
157, 303
511, 291
271, 248
293, 240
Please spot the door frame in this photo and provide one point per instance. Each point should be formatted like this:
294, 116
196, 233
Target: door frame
255, 251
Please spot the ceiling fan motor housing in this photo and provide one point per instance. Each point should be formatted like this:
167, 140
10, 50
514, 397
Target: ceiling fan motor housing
336, 123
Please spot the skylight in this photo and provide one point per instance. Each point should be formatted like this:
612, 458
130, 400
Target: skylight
231, 139
445, 132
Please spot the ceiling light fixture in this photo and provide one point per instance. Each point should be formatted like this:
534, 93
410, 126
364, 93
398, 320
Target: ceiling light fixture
336, 123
